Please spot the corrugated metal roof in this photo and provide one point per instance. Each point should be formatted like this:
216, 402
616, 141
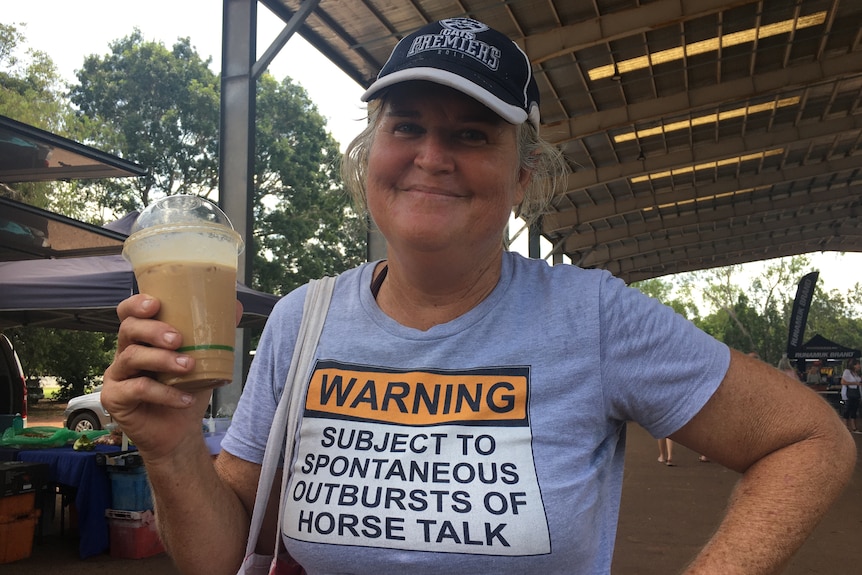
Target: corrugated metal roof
700, 134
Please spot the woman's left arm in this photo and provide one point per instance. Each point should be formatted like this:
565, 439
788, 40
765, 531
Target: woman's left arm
795, 457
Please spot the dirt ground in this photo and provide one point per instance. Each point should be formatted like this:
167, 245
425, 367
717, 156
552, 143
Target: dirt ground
667, 514
46, 412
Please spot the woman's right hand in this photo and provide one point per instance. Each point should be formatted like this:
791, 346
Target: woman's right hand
157, 418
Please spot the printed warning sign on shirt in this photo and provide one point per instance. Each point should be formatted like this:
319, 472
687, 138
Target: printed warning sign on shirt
423, 460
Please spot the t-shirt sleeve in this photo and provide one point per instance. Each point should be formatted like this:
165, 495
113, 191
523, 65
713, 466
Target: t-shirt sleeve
658, 369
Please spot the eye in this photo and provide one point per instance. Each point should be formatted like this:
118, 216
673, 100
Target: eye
407, 128
473, 136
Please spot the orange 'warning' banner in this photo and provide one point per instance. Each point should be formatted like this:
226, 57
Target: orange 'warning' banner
419, 397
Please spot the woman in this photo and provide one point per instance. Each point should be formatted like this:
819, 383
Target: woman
665, 451
814, 376
467, 409
850, 393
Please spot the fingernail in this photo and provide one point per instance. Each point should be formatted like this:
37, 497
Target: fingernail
147, 304
185, 398
183, 360
170, 337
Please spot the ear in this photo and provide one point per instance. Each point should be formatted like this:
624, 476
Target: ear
525, 176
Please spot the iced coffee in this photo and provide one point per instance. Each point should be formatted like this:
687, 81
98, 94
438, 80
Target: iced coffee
184, 253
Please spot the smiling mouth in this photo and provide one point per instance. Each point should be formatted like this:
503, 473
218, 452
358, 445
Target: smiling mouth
438, 192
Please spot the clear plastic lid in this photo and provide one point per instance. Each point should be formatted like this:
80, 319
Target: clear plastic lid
181, 209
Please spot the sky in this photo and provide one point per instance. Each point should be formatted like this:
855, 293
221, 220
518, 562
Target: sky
70, 30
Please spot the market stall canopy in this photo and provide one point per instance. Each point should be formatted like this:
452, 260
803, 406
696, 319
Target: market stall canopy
29, 154
83, 294
818, 347
27, 232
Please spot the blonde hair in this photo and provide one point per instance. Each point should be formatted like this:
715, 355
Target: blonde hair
545, 162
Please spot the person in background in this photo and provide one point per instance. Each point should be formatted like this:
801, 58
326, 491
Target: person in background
813, 375
665, 451
786, 367
850, 393
468, 406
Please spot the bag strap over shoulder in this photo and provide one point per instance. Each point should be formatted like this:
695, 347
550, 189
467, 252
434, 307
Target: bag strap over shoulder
284, 424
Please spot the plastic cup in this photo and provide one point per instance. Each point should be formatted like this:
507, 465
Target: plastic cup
183, 250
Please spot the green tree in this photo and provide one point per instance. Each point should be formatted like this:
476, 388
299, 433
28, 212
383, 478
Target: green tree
160, 108
836, 316
30, 87
753, 314
76, 358
304, 224
663, 291
156, 107
31, 91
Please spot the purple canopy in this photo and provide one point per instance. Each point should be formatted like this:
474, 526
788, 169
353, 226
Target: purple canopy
83, 293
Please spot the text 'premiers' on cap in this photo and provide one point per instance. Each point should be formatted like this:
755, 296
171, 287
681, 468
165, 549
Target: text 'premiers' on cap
466, 55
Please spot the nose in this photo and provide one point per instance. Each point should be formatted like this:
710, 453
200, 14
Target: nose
434, 155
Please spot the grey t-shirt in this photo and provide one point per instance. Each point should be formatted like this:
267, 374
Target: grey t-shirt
489, 444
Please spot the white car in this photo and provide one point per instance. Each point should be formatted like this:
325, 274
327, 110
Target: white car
85, 413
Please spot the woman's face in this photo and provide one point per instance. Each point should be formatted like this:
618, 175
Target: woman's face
443, 170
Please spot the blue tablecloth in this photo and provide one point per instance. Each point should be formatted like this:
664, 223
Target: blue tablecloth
78, 469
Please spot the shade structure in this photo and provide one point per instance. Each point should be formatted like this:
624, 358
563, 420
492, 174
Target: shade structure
83, 293
818, 347
28, 232
30, 154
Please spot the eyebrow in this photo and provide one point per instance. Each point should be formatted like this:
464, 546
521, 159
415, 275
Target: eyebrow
481, 114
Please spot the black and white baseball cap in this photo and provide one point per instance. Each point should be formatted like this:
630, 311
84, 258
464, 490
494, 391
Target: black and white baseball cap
466, 55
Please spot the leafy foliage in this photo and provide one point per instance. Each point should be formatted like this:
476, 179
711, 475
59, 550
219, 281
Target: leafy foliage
754, 314
30, 92
76, 358
159, 107
156, 107
304, 224
663, 291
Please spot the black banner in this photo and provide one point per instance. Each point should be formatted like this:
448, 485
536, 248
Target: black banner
799, 314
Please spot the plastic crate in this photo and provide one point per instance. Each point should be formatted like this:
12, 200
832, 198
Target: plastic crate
13, 506
16, 536
133, 534
130, 489
18, 477
216, 424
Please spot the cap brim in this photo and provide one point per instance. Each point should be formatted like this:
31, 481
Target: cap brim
510, 113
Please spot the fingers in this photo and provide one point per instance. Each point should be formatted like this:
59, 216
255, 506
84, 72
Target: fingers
138, 305
135, 330
120, 396
136, 359
146, 345
156, 416
137, 325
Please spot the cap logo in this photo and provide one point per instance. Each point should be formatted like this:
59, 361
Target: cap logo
464, 25
459, 35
